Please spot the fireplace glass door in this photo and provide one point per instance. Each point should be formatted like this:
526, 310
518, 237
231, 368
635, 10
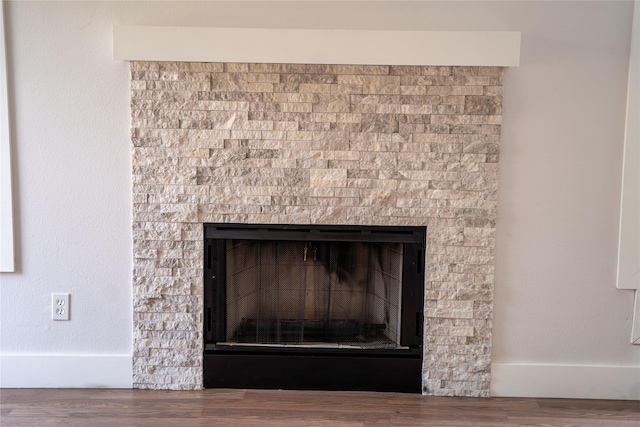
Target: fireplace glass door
311, 293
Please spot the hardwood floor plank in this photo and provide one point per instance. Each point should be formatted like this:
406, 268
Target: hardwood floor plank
572, 412
587, 404
248, 422
267, 408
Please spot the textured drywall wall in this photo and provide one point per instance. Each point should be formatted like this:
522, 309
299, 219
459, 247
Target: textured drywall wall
560, 168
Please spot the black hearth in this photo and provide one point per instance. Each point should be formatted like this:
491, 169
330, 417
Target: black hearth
313, 307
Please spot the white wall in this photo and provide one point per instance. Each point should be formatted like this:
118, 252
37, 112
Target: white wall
556, 303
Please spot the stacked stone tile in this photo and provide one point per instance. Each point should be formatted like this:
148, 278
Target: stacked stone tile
314, 144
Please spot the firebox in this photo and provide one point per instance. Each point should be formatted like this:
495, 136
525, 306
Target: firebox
324, 307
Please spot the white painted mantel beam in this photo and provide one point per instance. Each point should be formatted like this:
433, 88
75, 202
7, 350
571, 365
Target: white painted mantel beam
355, 47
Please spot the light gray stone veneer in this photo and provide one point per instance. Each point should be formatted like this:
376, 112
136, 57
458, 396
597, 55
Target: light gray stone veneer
314, 144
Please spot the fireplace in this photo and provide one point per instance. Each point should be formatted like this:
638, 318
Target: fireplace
341, 304
309, 146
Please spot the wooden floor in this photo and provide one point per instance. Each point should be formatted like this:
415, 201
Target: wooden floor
125, 408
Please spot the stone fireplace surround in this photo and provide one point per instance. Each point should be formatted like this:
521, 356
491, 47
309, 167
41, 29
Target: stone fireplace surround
314, 144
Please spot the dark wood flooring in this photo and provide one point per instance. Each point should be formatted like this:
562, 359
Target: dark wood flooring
262, 408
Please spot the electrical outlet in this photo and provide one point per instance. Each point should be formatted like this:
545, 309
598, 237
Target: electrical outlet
60, 306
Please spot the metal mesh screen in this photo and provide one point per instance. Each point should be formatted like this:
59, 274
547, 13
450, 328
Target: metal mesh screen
314, 293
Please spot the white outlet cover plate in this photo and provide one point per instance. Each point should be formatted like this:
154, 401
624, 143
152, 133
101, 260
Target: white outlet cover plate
60, 306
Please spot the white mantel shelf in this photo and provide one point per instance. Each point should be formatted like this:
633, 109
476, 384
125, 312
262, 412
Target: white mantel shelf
295, 46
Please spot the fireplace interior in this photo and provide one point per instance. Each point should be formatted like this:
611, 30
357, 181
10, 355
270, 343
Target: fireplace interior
313, 307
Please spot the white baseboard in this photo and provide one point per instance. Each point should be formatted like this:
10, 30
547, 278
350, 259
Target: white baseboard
565, 381
65, 371
507, 379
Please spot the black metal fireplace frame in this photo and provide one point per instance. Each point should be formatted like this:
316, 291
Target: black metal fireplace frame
303, 368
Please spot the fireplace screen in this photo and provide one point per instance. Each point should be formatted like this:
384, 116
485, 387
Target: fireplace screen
313, 293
